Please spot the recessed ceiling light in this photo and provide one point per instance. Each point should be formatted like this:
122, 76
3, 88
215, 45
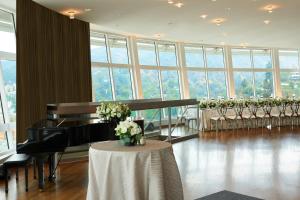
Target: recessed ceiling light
87, 10
270, 8
179, 4
203, 16
267, 21
213, 0
170, 2
218, 21
222, 43
71, 13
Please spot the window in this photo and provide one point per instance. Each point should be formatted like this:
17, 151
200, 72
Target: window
217, 85
8, 82
290, 83
215, 57
159, 72
170, 85
167, 55
264, 84
111, 71
98, 49
262, 59
101, 86
252, 72
288, 59
197, 84
122, 81
150, 83
194, 56
146, 53
289, 72
205, 72
9, 78
243, 82
118, 50
241, 58
158, 81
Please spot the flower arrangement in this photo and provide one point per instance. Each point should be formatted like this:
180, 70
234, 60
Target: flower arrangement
252, 102
113, 111
130, 133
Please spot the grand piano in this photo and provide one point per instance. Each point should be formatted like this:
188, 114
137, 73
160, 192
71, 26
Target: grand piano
47, 138
73, 124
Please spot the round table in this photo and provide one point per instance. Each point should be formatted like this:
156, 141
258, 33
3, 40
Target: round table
145, 172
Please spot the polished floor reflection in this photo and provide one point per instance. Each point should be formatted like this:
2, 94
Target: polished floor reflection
260, 163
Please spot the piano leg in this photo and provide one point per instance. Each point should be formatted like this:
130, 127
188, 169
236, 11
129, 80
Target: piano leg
34, 168
40, 164
51, 162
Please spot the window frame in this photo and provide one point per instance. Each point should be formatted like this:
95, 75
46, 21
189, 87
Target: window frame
252, 69
205, 69
110, 66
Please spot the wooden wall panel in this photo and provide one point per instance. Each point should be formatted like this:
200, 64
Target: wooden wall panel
53, 62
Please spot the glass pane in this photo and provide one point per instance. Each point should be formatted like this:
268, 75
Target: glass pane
262, 59
3, 142
194, 56
217, 84
150, 83
243, 82
9, 78
118, 50
215, 57
197, 84
7, 33
122, 81
98, 49
101, 84
167, 55
241, 58
146, 52
264, 84
290, 84
170, 85
288, 59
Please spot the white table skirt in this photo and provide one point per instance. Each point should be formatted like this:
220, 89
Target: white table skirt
133, 173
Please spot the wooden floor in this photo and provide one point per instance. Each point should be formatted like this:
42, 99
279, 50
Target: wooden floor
259, 163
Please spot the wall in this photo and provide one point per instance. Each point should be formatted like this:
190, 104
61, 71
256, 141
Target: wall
53, 62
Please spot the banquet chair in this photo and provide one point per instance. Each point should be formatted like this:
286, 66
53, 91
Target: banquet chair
288, 115
268, 118
191, 117
242, 116
220, 117
295, 113
282, 110
253, 115
261, 116
275, 114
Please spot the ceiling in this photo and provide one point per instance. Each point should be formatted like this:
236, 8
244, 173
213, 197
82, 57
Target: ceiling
244, 23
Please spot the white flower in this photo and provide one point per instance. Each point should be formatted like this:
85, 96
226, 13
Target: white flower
123, 130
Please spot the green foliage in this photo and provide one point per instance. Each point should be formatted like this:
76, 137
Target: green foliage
113, 111
261, 102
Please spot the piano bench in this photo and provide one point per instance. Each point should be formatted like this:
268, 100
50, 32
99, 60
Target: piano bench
16, 160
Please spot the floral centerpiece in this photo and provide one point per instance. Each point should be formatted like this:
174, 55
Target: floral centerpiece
130, 133
113, 111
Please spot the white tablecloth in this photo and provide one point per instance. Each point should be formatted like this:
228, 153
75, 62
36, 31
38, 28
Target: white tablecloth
145, 172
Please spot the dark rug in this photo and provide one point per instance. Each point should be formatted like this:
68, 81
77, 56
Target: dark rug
226, 195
